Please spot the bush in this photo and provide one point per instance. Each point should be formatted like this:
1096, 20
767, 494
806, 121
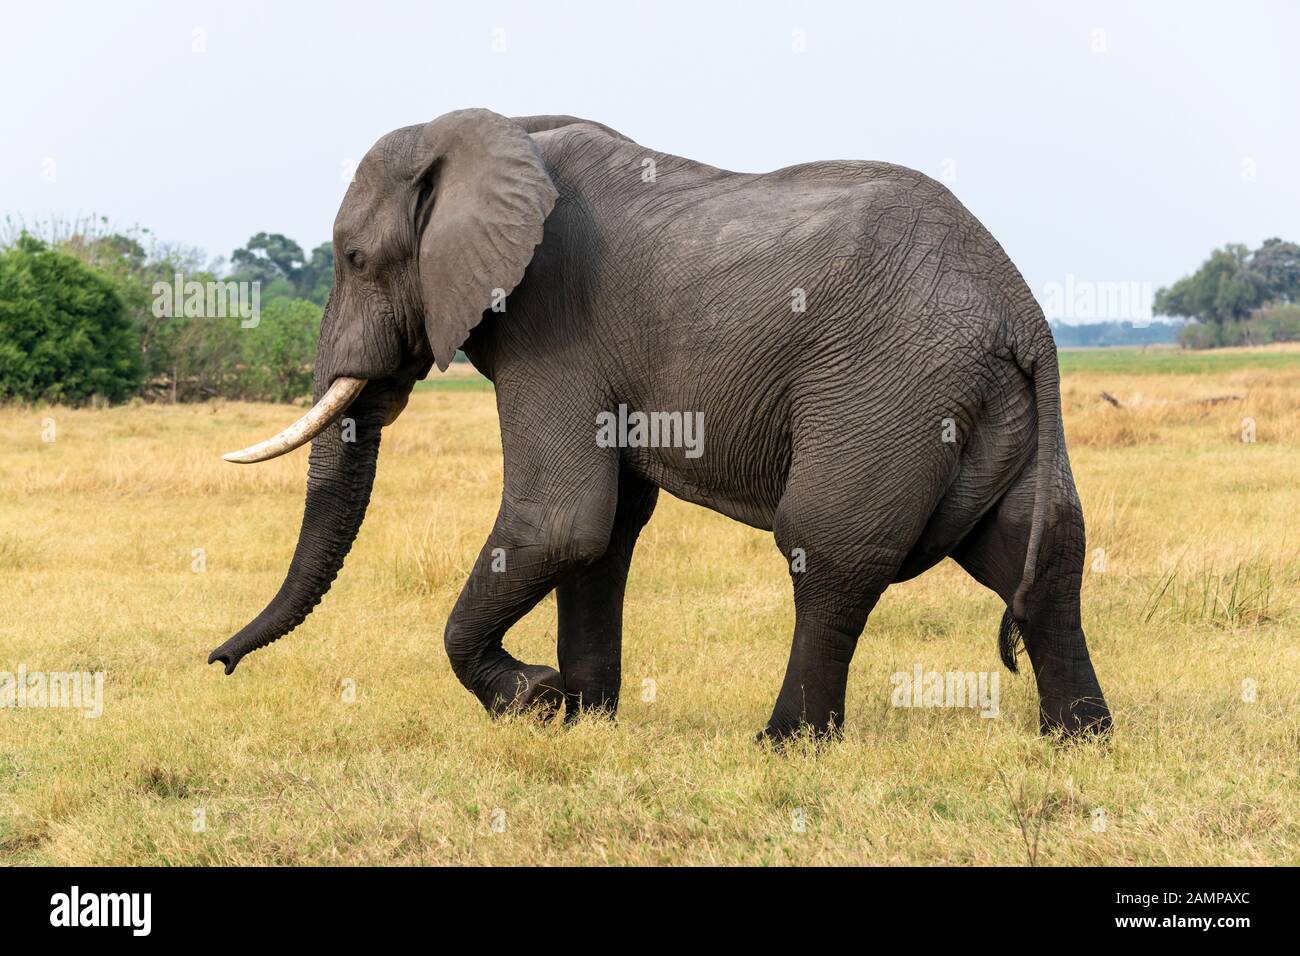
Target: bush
218, 358
86, 293
64, 332
195, 359
1276, 323
1200, 335
279, 354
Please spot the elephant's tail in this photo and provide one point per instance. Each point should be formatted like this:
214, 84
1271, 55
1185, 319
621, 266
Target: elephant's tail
1009, 640
1042, 367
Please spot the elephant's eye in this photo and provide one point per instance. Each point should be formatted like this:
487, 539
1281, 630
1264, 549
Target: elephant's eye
356, 259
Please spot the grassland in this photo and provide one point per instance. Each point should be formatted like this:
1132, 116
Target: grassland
460, 377
350, 741
1161, 360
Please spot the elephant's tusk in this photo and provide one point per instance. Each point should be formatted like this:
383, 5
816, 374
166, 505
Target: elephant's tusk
331, 405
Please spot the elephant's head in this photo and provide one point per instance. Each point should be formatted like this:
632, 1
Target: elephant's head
440, 221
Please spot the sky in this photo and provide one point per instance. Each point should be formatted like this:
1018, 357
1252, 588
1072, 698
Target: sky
1098, 143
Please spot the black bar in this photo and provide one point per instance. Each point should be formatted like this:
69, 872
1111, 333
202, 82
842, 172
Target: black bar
337, 905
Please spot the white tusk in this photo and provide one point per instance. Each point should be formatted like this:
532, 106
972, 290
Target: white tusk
330, 406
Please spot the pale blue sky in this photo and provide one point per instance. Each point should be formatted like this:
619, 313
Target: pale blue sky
1108, 143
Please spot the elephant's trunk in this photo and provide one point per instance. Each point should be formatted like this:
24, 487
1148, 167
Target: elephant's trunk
341, 471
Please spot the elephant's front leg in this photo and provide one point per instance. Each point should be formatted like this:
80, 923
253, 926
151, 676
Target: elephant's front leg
540, 538
591, 608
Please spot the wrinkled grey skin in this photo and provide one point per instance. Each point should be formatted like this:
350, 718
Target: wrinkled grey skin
911, 412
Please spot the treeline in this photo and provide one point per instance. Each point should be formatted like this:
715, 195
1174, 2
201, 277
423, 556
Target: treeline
1238, 297
89, 314
1095, 335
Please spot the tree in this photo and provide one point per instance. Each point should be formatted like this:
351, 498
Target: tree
269, 362
278, 354
1278, 264
64, 331
1238, 297
134, 269
1238, 294
268, 257
174, 357
1225, 288
318, 274
133, 260
203, 358
284, 271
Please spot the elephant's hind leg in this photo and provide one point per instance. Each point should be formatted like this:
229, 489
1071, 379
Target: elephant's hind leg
845, 546
828, 620
1070, 697
591, 608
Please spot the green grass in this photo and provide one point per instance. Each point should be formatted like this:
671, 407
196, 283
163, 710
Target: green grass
461, 383
1172, 361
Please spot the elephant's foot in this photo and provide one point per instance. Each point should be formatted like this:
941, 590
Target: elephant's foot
528, 688
1075, 718
783, 730
1071, 704
594, 704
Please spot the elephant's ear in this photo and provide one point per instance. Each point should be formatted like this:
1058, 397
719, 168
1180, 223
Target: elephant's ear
484, 195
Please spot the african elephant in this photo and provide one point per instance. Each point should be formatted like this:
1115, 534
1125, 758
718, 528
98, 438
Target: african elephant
876, 384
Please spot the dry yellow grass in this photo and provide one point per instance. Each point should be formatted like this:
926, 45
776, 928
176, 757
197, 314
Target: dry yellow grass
351, 742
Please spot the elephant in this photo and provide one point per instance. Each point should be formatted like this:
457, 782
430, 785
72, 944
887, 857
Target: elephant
875, 382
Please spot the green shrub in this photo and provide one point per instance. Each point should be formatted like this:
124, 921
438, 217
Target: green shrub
81, 319
1200, 335
1276, 323
64, 332
279, 353
219, 358
195, 358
